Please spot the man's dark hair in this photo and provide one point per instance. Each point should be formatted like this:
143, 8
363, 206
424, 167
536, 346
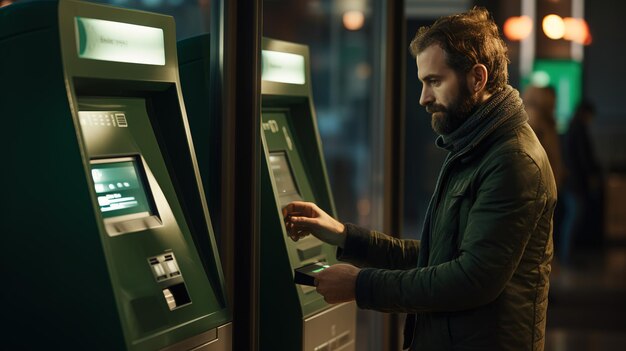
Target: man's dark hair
467, 39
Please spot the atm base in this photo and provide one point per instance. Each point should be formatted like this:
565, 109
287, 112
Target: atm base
331, 329
218, 339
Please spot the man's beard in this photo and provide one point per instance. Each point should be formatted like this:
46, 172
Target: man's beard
446, 120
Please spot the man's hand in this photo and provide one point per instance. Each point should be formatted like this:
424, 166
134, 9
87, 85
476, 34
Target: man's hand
304, 218
337, 283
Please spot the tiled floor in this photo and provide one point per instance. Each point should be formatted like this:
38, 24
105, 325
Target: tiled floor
587, 308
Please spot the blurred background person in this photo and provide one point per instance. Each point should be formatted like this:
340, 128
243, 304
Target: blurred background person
583, 224
540, 104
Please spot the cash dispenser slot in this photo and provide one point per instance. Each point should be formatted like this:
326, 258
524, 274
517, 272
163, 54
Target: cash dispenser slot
176, 296
167, 273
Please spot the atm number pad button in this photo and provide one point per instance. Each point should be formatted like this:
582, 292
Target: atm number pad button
164, 267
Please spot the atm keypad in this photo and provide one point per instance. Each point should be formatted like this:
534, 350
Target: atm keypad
164, 267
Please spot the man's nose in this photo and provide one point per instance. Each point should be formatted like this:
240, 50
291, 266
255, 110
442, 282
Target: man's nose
426, 97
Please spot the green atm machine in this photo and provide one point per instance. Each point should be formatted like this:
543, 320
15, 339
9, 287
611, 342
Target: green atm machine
106, 235
294, 316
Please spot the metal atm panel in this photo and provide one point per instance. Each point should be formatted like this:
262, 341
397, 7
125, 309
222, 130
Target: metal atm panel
109, 240
143, 219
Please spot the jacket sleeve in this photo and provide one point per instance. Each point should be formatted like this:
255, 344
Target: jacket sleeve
509, 202
366, 248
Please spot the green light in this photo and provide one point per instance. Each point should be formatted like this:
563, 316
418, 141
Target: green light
540, 79
119, 42
321, 268
565, 76
282, 67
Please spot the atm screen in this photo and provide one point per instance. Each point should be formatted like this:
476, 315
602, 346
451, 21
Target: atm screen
285, 185
120, 187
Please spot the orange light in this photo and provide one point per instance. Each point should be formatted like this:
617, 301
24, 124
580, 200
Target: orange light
518, 28
577, 30
353, 20
553, 26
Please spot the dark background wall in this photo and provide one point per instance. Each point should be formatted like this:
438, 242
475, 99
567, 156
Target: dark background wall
605, 68
604, 79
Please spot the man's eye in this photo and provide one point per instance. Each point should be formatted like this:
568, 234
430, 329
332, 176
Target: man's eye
434, 82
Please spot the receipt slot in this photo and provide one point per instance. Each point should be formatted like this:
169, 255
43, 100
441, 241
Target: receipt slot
294, 316
107, 238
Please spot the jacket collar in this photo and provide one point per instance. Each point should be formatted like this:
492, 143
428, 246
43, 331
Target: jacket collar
504, 109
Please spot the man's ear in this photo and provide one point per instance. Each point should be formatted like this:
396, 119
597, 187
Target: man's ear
477, 78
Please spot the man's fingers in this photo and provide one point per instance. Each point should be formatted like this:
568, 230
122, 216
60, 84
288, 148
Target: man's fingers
295, 236
324, 291
289, 214
294, 206
299, 208
302, 221
299, 227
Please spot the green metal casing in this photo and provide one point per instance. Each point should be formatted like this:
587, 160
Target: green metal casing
203, 107
73, 282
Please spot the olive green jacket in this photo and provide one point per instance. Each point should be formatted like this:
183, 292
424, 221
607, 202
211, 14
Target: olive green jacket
481, 281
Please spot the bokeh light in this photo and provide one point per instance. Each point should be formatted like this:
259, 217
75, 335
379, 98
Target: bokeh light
553, 26
576, 30
353, 20
518, 28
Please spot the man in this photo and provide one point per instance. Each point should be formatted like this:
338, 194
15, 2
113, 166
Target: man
478, 279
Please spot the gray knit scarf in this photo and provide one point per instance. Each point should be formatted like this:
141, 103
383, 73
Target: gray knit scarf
504, 109
503, 106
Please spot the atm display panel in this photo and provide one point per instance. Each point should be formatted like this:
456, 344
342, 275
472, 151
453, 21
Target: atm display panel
121, 188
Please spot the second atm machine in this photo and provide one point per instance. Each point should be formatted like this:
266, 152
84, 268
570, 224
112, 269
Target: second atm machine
293, 168
107, 239
292, 316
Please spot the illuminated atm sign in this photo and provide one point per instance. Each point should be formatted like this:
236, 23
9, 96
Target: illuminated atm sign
282, 67
119, 42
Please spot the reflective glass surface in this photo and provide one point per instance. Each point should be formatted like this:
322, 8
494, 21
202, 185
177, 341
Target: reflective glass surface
345, 39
